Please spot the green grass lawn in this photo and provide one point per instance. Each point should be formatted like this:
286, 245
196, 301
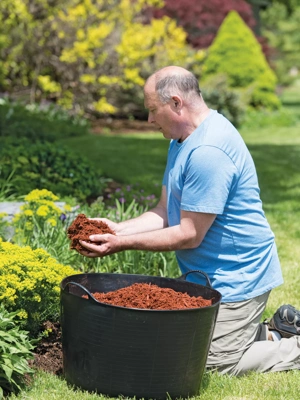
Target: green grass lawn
126, 158
275, 386
141, 158
291, 97
276, 153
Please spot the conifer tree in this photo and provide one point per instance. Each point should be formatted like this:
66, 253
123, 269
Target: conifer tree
236, 53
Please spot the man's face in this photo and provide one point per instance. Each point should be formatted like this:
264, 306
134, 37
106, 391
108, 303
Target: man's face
161, 115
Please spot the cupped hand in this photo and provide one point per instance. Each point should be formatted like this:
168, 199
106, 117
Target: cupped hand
104, 245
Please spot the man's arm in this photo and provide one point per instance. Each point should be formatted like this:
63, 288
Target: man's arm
151, 220
187, 235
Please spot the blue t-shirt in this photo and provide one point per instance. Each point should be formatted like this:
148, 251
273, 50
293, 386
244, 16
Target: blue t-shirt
212, 171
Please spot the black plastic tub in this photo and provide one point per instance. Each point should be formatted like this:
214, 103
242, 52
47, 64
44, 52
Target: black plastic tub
134, 352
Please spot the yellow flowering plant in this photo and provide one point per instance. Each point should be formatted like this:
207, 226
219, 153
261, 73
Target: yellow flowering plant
40, 209
29, 283
41, 223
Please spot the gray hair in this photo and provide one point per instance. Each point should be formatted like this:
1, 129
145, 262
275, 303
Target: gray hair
183, 84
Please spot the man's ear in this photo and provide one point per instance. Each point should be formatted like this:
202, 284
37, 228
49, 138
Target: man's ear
176, 103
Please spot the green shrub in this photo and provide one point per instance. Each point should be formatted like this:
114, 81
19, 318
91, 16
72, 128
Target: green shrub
219, 96
280, 26
37, 123
29, 284
47, 165
263, 93
15, 351
236, 53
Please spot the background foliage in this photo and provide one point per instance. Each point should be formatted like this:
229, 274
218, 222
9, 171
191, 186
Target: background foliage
46, 165
86, 55
39, 122
202, 19
92, 57
236, 53
281, 27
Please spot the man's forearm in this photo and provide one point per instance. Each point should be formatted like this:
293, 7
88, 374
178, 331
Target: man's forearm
186, 235
168, 239
151, 220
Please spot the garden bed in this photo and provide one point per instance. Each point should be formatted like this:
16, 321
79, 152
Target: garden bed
48, 354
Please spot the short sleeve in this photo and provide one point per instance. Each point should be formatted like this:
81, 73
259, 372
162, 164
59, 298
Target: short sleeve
210, 175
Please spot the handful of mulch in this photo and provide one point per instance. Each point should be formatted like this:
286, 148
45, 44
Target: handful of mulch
151, 297
81, 229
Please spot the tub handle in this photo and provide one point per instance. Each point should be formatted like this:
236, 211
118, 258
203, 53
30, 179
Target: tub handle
208, 282
81, 287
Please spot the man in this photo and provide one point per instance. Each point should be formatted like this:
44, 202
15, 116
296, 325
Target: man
211, 215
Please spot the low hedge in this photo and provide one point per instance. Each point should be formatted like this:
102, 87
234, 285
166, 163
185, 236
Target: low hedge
47, 165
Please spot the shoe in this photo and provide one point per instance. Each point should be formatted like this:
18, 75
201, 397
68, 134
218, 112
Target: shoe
286, 321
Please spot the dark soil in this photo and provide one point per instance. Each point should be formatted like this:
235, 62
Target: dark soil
48, 353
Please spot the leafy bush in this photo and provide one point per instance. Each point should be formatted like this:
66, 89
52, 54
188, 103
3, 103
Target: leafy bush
37, 123
29, 283
46, 165
15, 351
86, 63
227, 101
280, 26
201, 19
236, 53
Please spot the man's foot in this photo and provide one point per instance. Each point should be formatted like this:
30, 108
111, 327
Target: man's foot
286, 321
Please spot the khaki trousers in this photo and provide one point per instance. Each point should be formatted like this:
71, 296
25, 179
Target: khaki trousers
240, 342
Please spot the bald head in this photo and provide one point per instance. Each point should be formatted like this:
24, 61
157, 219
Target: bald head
174, 101
173, 81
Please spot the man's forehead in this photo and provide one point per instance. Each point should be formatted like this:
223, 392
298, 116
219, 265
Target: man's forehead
149, 96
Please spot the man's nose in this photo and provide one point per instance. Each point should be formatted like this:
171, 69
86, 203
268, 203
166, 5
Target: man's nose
150, 118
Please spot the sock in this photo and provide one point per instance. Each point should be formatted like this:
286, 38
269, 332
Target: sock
276, 336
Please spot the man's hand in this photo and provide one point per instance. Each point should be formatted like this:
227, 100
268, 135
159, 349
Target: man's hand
104, 245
